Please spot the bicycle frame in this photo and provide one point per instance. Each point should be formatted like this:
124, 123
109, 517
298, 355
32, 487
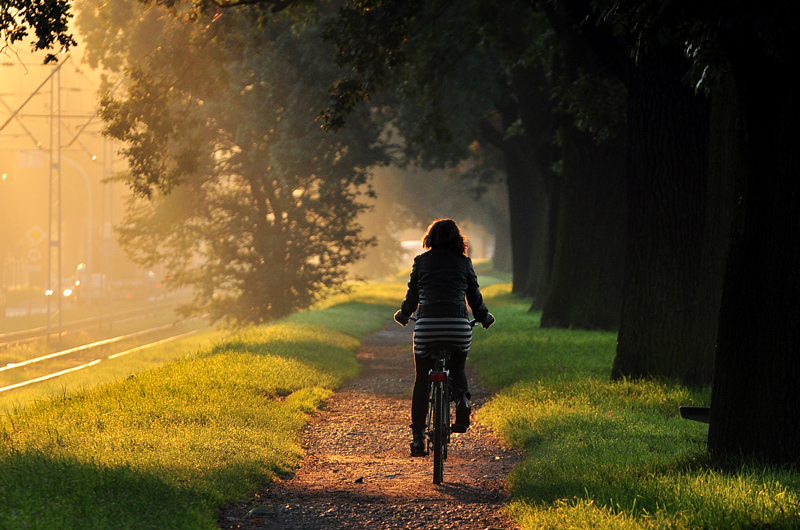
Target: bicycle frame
438, 422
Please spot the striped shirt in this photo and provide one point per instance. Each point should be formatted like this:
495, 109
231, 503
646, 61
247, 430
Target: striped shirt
442, 329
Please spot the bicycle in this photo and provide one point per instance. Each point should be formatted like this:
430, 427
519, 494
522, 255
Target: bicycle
438, 426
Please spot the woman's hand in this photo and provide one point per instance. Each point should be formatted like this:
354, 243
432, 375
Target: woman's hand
400, 318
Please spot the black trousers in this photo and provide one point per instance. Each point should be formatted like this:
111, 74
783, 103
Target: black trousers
419, 400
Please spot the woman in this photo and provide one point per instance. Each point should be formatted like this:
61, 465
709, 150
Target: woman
442, 282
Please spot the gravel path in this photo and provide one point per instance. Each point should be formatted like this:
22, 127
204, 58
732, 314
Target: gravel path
357, 472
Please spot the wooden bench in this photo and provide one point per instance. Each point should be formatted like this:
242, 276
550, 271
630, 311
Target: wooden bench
700, 414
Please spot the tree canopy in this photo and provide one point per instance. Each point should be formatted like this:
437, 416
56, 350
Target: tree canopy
237, 190
47, 19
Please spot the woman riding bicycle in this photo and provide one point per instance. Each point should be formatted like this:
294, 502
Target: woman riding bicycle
442, 282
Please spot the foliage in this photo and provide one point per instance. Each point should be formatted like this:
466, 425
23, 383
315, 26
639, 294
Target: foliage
237, 190
48, 19
451, 63
708, 31
117, 32
473, 79
370, 37
596, 104
428, 53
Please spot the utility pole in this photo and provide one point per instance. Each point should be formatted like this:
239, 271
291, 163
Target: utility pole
107, 245
54, 287
55, 249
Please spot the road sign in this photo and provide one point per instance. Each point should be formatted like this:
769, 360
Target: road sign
34, 255
35, 235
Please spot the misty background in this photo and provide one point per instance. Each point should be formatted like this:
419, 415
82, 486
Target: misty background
44, 106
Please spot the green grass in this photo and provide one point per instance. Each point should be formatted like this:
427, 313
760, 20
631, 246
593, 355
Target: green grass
602, 454
167, 448
487, 275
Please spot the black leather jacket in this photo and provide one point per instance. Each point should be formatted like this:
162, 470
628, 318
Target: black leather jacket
440, 281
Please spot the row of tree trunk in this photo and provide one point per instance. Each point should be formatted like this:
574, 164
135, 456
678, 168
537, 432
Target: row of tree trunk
681, 232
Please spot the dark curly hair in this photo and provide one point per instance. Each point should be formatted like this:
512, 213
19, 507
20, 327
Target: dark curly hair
444, 233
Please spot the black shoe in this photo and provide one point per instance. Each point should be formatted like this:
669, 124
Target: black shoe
418, 444
463, 410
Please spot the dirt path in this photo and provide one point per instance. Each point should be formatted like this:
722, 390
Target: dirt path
357, 472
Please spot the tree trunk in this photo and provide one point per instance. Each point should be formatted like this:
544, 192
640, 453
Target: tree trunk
585, 289
521, 201
535, 111
501, 261
529, 178
586, 283
528, 209
666, 330
539, 241
755, 405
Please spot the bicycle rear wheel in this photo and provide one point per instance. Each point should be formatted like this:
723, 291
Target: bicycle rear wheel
439, 432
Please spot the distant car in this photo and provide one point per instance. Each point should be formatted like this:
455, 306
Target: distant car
67, 288
89, 287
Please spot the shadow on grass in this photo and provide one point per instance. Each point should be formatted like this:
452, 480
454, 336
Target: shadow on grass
645, 465
319, 355
357, 319
39, 491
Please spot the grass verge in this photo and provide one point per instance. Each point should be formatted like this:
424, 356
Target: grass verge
167, 448
602, 454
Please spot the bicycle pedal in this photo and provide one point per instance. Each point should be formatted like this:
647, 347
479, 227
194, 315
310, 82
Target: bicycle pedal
458, 428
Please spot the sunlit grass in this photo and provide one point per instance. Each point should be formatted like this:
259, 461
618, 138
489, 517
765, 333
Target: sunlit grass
489, 276
604, 454
167, 448
385, 293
